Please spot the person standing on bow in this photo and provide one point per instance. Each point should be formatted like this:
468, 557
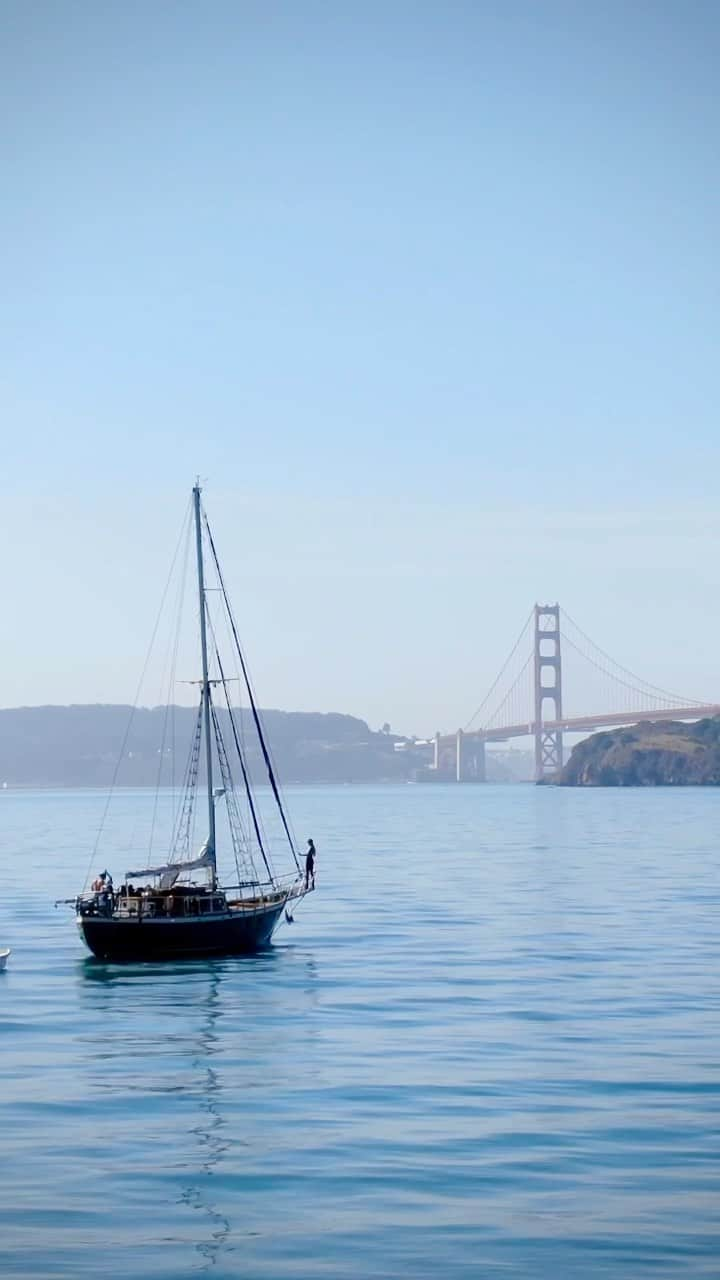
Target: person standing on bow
310, 867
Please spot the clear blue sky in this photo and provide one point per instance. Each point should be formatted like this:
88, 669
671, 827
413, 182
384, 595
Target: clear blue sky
428, 292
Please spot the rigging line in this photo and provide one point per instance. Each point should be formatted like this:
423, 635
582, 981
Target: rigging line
271, 753
246, 780
161, 760
501, 673
240, 716
229, 785
137, 694
226, 779
175, 849
240, 710
255, 820
193, 790
645, 683
182, 821
617, 680
509, 694
171, 682
171, 694
278, 787
256, 717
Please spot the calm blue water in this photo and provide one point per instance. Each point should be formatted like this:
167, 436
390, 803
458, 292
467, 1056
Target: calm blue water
488, 1046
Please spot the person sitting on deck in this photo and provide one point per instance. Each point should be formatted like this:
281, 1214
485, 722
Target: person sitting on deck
310, 866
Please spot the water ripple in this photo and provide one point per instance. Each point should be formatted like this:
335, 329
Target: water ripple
487, 1047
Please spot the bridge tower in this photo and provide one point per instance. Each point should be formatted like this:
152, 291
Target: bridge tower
469, 758
548, 688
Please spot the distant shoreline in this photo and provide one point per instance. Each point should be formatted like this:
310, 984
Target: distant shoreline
97, 746
14, 788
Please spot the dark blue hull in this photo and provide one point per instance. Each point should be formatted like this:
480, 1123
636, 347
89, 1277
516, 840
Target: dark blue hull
234, 933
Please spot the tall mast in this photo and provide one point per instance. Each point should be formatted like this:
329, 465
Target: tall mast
205, 682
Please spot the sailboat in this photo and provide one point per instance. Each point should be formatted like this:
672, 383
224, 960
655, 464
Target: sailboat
178, 907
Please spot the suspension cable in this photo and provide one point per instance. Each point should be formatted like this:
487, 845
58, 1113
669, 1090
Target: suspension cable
500, 675
618, 679
488, 723
642, 685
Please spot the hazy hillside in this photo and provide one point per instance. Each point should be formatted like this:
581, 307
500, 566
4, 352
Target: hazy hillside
80, 746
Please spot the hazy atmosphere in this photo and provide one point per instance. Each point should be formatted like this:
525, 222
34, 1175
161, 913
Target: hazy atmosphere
427, 295
360, 694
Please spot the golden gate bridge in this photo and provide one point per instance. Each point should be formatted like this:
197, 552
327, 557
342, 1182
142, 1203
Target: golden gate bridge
529, 698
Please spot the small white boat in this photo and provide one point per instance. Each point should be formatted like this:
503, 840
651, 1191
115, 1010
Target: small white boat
4, 958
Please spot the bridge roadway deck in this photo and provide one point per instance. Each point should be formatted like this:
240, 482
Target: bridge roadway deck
579, 724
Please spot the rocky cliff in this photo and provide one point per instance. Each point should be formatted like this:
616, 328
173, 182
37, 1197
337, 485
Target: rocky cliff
665, 753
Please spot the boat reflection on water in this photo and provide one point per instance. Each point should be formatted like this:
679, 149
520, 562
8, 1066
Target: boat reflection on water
170, 1058
208, 1129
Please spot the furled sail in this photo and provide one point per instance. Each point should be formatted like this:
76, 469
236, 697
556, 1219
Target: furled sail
170, 871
